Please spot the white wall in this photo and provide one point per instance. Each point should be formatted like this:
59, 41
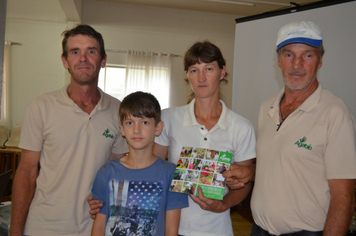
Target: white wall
37, 68
155, 29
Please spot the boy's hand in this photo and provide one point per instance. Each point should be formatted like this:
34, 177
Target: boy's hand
94, 205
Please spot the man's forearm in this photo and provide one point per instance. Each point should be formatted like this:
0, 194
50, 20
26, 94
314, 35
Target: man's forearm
234, 197
338, 219
22, 194
341, 207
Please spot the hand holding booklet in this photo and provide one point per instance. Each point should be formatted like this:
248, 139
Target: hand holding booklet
201, 167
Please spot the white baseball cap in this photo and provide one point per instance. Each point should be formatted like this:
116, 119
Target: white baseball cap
299, 32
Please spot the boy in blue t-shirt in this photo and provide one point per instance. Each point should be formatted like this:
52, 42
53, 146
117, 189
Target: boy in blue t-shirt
135, 189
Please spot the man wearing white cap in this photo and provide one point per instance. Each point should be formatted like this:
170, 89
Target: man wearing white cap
306, 157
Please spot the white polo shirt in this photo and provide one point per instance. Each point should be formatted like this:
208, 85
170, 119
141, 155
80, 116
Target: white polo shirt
314, 144
232, 133
73, 145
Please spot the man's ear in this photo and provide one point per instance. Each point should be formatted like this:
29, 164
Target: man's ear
103, 62
159, 128
122, 129
64, 61
278, 60
320, 62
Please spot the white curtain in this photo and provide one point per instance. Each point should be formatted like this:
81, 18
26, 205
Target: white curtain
149, 72
5, 119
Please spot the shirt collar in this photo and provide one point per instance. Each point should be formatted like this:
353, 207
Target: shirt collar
308, 105
189, 118
63, 98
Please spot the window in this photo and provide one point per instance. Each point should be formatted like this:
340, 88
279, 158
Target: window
152, 80
146, 72
112, 81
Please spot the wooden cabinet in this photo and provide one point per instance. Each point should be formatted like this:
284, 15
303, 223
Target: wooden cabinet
9, 159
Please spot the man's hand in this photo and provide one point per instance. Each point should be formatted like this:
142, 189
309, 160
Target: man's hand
239, 175
95, 206
208, 204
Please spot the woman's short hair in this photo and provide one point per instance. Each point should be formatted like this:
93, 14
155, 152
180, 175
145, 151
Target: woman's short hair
205, 52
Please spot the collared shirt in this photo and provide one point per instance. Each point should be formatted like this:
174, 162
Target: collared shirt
73, 146
314, 144
232, 133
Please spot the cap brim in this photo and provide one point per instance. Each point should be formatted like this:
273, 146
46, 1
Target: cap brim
310, 42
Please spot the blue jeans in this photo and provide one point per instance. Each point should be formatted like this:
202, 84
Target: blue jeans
257, 231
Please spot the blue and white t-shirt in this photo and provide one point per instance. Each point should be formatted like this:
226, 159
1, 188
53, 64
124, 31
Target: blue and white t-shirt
136, 200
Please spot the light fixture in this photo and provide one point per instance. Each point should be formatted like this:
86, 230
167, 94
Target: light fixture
269, 3
232, 2
250, 2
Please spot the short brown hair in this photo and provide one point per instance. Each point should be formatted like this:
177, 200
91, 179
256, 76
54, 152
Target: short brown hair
203, 52
140, 104
83, 30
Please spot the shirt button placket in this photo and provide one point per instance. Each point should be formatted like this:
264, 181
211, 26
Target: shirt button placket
204, 140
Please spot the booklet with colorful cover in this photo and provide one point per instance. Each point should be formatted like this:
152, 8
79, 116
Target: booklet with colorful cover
201, 167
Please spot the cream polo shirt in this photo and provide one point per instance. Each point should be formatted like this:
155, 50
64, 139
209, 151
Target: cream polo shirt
73, 145
232, 133
315, 143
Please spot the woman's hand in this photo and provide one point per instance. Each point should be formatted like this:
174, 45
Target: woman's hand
207, 203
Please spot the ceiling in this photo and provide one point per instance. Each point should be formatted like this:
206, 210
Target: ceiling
234, 7
61, 10
39, 10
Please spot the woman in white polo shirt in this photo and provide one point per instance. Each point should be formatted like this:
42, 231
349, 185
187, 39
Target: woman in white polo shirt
207, 123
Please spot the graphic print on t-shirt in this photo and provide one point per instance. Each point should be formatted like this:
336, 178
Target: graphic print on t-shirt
133, 207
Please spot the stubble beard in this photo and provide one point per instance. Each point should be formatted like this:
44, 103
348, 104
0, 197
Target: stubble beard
300, 87
84, 80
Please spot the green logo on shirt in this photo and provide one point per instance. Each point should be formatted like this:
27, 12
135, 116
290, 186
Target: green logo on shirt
107, 134
301, 143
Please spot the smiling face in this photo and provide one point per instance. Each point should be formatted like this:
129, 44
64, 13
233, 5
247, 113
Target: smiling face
83, 59
204, 79
140, 132
299, 63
